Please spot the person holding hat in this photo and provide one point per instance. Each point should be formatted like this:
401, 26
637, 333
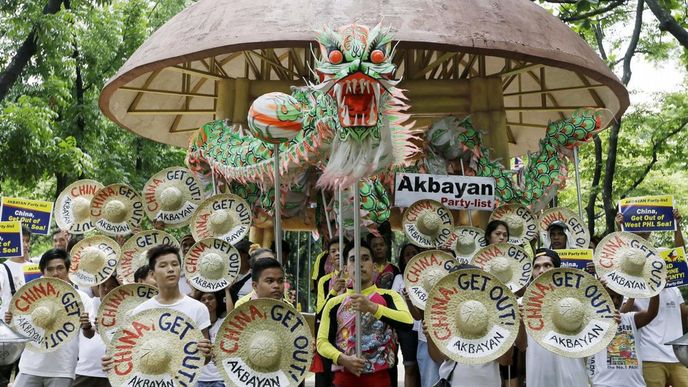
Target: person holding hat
545, 368
210, 376
92, 348
242, 285
620, 364
558, 240
267, 280
381, 310
57, 368
185, 244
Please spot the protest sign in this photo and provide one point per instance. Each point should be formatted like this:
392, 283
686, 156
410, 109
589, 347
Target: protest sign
575, 258
676, 266
35, 214
647, 213
11, 240
454, 192
31, 272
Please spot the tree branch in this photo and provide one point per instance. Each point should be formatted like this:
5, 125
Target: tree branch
595, 185
656, 145
24, 53
668, 23
599, 11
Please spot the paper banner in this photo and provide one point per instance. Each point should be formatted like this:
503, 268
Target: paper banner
647, 213
35, 214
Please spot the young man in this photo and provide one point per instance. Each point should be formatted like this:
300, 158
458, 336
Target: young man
60, 239
620, 364
557, 236
242, 285
144, 275
267, 280
544, 368
382, 311
54, 369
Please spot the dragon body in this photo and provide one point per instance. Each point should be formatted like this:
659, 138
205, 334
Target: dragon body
351, 126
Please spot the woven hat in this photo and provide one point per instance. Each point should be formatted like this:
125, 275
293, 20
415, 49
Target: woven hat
46, 310
263, 339
427, 223
630, 264
509, 263
73, 206
472, 317
172, 195
211, 264
521, 221
465, 242
577, 234
115, 307
117, 209
156, 347
568, 312
423, 271
223, 216
135, 249
94, 259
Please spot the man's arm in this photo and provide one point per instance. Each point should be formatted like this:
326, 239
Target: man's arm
678, 235
628, 306
644, 317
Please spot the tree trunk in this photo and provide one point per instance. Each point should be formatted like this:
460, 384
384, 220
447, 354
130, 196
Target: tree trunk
24, 53
668, 23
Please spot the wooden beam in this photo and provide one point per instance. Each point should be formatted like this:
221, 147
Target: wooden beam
542, 108
525, 125
167, 92
519, 70
194, 72
152, 112
580, 87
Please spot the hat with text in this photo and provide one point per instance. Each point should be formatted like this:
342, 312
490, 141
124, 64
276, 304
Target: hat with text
47, 311
568, 312
465, 241
117, 209
156, 347
135, 249
73, 207
211, 264
423, 271
94, 259
472, 317
509, 263
264, 342
427, 223
172, 195
116, 305
223, 216
521, 221
577, 234
630, 264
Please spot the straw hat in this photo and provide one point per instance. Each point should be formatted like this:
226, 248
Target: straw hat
423, 271
156, 347
223, 216
577, 234
135, 249
46, 310
631, 265
509, 263
117, 210
472, 317
522, 223
116, 305
73, 206
263, 339
93, 260
465, 241
427, 223
568, 312
172, 195
211, 264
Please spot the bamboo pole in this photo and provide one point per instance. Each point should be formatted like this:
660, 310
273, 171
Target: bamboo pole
357, 261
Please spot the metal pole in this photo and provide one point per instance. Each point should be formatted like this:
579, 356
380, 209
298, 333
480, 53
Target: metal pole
327, 215
342, 258
215, 188
298, 264
357, 261
470, 213
310, 270
278, 207
578, 184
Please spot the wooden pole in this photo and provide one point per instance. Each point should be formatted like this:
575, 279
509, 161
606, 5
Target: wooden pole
278, 207
357, 261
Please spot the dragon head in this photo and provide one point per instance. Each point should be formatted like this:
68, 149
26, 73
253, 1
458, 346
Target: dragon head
356, 70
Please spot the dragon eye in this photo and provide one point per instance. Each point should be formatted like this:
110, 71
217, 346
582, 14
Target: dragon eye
377, 56
335, 57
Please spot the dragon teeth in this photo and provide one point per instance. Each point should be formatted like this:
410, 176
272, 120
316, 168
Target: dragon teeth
338, 93
371, 114
347, 120
362, 84
367, 87
348, 86
376, 90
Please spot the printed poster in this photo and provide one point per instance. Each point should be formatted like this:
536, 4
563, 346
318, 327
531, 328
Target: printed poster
11, 240
676, 266
35, 214
575, 258
647, 213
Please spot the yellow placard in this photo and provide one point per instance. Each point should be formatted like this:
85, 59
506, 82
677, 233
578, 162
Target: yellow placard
37, 205
659, 201
580, 254
10, 227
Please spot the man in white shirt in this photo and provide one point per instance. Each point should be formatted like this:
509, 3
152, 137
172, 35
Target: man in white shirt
54, 369
166, 263
545, 368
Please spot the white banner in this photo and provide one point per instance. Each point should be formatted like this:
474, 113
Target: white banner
455, 192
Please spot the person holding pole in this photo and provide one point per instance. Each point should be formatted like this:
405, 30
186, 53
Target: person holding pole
382, 311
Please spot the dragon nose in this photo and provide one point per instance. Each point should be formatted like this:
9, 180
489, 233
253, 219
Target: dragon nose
355, 65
